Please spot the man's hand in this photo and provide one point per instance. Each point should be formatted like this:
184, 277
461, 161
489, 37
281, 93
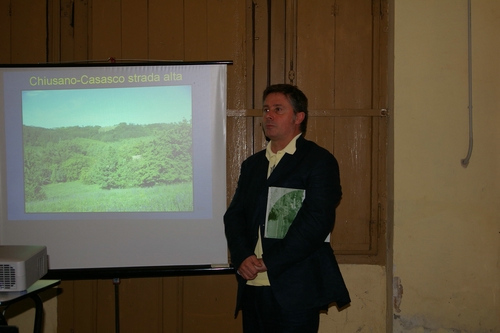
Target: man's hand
250, 267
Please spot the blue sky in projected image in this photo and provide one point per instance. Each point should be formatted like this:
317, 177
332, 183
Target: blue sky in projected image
106, 107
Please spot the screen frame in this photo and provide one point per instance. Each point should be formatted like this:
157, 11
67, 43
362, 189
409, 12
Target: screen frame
129, 271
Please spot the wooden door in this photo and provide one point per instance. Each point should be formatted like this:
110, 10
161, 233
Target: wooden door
335, 51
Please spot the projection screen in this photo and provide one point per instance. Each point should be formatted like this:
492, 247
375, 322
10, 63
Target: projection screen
115, 165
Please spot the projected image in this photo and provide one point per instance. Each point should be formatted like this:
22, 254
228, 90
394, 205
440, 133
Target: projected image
108, 150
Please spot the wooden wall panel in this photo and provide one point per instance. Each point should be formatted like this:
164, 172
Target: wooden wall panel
166, 30
258, 65
354, 51
353, 151
63, 37
28, 23
195, 30
86, 306
105, 306
239, 138
172, 304
84, 302
81, 31
65, 307
316, 58
77, 306
217, 293
226, 41
351, 142
134, 29
278, 70
5, 32
320, 131
71, 44
105, 39
224, 36
141, 305
380, 54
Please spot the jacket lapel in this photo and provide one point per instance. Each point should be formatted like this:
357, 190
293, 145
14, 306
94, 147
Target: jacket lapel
288, 162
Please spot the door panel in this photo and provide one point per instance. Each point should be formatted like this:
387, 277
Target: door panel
25, 31
332, 51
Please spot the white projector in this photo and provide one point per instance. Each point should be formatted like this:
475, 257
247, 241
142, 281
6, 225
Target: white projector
21, 266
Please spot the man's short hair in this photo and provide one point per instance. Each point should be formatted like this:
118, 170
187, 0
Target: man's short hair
295, 96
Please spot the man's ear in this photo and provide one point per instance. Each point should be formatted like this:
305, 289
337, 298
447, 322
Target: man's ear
299, 117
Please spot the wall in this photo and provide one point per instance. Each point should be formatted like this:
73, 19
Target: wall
367, 310
366, 313
446, 217
110, 30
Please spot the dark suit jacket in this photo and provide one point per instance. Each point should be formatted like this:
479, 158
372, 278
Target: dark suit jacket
302, 268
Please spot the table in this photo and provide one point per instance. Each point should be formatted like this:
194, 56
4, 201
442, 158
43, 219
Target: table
8, 298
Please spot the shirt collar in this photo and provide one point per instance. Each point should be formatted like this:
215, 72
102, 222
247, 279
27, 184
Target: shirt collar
290, 148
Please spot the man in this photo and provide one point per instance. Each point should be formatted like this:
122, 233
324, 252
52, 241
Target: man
283, 284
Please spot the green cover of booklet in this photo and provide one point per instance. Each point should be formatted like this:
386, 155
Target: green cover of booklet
283, 205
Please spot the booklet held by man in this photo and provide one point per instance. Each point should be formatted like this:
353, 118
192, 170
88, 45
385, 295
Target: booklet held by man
283, 205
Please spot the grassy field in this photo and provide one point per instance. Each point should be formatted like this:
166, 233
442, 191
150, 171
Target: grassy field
75, 197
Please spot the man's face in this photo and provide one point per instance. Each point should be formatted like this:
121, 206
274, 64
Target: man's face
281, 124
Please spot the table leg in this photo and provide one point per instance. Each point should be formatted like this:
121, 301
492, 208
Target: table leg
3, 321
37, 328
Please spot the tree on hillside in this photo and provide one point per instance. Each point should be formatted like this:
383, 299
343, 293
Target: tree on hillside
34, 176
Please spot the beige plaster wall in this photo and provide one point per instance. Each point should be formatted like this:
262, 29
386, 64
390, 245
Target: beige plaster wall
367, 311
446, 217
